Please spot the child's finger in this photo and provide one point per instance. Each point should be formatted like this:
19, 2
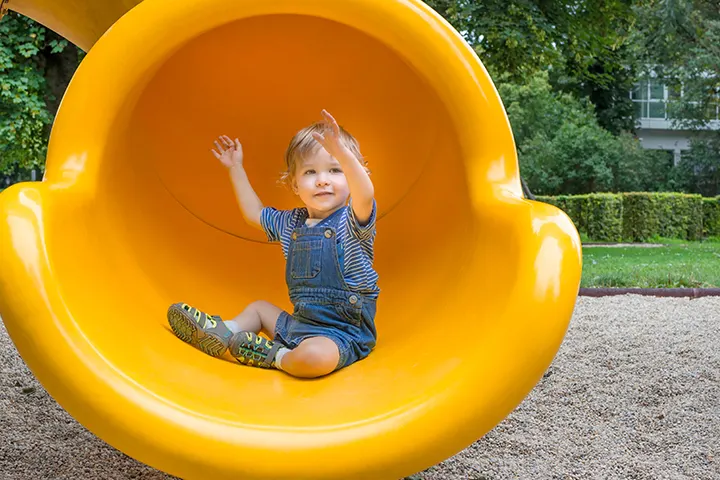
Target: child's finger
217, 155
220, 149
238, 145
331, 123
319, 137
227, 140
329, 118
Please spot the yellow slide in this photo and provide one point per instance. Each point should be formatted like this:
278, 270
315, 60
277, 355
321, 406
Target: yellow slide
134, 213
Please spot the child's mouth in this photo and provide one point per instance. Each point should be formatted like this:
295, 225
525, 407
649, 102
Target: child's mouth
322, 194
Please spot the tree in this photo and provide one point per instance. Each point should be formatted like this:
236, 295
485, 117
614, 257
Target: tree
680, 42
561, 147
584, 45
563, 150
699, 169
642, 170
35, 68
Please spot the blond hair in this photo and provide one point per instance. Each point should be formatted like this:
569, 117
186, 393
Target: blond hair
303, 144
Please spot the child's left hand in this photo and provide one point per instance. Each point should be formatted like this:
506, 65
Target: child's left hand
330, 139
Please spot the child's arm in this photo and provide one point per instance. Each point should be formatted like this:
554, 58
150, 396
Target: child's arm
361, 187
230, 155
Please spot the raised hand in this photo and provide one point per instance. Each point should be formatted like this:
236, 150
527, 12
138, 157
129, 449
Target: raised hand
229, 152
330, 139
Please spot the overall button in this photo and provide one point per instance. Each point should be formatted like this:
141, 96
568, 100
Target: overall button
294, 236
328, 233
353, 299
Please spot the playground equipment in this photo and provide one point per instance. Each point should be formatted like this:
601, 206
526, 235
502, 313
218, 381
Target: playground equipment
134, 213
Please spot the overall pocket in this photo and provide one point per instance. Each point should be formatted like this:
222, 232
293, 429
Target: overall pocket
351, 313
306, 258
328, 314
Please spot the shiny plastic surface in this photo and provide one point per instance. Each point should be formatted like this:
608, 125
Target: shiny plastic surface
478, 284
80, 21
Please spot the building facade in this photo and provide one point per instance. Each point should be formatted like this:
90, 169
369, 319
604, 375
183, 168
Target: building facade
656, 127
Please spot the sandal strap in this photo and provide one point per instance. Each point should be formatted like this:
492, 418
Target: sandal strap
271, 355
212, 324
257, 345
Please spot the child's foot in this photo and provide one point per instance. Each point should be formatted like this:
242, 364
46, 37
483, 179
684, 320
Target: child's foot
251, 349
205, 332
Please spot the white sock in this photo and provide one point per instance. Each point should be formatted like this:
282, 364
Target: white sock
279, 355
232, 326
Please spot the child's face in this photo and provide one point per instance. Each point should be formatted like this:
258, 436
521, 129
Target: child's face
321, 184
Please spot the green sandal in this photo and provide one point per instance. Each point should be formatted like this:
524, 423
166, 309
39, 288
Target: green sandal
205, 332
251, 349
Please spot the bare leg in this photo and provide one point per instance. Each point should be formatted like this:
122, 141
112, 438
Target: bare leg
314, 357
259, 315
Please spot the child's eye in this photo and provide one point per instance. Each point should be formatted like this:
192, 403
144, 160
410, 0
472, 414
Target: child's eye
309, 172
336, 170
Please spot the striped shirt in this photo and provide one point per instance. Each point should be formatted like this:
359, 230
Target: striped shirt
354, 241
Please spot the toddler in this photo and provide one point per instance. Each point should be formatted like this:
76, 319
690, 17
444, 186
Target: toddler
328, 247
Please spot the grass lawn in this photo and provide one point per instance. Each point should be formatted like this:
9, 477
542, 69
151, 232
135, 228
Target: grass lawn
677, 263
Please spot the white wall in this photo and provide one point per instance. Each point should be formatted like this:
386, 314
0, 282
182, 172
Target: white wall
656, 139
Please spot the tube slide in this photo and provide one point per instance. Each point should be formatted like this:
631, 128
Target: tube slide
134, 213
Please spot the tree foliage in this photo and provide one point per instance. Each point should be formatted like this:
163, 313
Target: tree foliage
563, 149
30, 87
595, 50
679, 42
584, 45
699, 169
564, 70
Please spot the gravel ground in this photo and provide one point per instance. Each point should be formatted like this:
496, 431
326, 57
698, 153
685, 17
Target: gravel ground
632, 394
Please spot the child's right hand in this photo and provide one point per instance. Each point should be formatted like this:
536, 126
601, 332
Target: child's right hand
228, 152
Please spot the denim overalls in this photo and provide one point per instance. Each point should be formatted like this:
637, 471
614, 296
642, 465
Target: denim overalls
324, 305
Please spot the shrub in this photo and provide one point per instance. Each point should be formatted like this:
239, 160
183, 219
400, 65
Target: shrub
602, 215
598, 215
681, 216
640, 216
670, 215
711, 217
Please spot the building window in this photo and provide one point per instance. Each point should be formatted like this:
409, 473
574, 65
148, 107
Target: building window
650, 98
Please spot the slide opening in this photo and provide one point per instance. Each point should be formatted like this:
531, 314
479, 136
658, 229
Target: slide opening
172, 230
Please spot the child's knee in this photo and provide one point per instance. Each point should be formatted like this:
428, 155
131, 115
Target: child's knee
259, 305
314, 357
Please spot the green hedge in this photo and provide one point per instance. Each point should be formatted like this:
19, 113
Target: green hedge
638, 217
599, 215
603, 216
711, 216
669, 215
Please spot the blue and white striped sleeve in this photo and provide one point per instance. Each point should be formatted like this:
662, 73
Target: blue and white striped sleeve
277, 223
361, 232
